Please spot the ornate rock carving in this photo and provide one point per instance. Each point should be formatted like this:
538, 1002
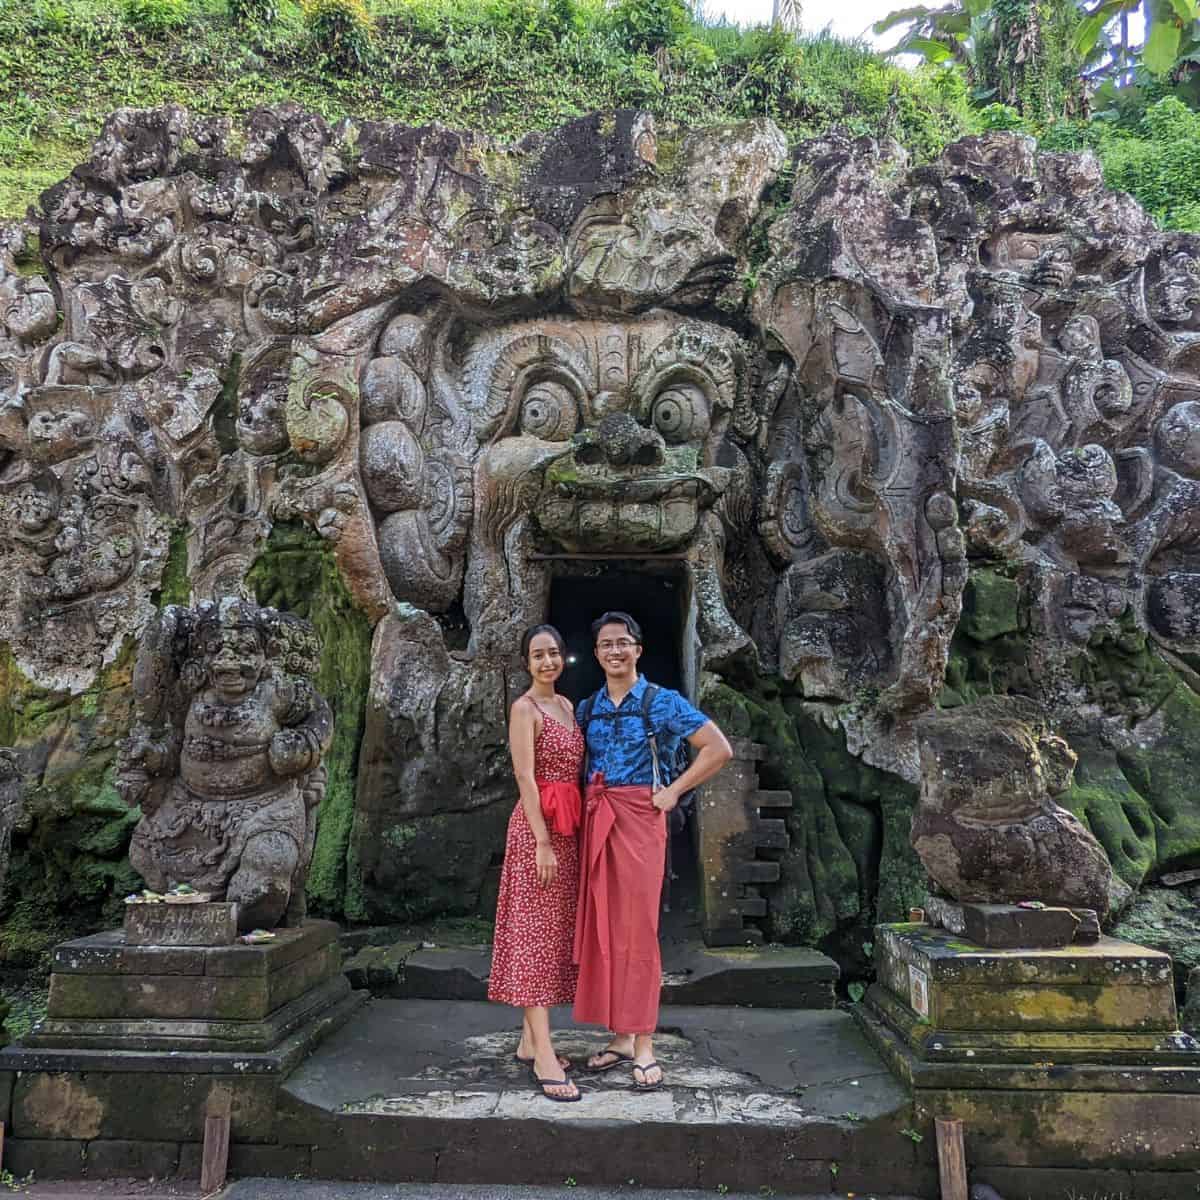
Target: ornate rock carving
461, 362
225, 757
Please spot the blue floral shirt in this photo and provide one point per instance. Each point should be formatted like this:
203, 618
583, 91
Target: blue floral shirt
617, 745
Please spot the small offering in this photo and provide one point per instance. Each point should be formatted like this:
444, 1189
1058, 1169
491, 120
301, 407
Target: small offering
144, 897
256, 937
184, 893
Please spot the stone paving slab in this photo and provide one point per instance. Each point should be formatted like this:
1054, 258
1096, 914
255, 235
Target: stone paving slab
455, 1060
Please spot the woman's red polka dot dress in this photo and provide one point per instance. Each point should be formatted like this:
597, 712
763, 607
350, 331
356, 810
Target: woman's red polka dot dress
535, 925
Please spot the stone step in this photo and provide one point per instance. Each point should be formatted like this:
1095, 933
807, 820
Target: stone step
772, 799
782, 1101
762, 976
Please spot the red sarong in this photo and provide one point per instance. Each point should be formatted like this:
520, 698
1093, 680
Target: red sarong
616, 932
561, 805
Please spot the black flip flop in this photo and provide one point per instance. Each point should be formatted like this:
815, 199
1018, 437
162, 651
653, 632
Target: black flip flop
619, 1059
647, 1087
545, 1083
563, 1061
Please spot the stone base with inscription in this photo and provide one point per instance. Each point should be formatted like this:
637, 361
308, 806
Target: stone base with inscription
1051, 1056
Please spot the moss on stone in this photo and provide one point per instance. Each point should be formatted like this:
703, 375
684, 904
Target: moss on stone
850, 862
297, 573
990, 606
1166, 919
176, 587
68, 867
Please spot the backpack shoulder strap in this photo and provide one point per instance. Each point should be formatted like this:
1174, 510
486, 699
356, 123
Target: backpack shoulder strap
652, 690
586, 715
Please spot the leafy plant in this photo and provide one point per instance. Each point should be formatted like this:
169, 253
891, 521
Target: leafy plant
342, 30
254, 12
156, 17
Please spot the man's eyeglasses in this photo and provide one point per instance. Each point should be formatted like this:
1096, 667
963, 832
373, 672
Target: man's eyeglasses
616, 644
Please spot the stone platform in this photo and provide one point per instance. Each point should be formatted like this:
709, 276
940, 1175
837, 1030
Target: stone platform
424, 1090
1064, 1063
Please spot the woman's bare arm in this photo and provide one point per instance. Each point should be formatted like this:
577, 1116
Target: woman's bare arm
522, 732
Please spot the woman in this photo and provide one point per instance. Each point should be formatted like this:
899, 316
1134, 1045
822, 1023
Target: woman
535, 914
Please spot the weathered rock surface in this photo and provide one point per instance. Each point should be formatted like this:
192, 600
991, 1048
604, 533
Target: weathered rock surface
987, 827
462, 364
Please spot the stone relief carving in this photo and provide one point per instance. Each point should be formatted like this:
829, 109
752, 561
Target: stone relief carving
456, 360
225, 757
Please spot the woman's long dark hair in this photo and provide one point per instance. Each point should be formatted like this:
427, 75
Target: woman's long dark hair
533, 631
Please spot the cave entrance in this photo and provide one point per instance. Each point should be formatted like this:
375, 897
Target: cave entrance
657, 594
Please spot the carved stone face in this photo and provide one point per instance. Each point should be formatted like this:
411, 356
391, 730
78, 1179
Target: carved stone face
624, 418
1177, 439
234, 659
1176, 296
32, 314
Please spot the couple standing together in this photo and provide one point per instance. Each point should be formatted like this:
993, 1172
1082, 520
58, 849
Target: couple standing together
577, 917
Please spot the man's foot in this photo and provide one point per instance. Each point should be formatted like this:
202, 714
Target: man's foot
617, 1052
647, 1076
561, 1090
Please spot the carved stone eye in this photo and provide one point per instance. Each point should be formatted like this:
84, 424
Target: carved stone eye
680, 413
549, 412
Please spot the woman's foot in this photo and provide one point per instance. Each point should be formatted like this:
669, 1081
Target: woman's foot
524, 1056
561, 1090
617, 1052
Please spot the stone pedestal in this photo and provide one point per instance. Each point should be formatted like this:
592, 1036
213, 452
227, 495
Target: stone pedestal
1052, 1057
116, 1077
108, 994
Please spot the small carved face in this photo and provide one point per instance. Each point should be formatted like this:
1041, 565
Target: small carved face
625, 419
1177, 439
1177, 294
262, 399
32, 315
235, 660
1081, 337
33, 508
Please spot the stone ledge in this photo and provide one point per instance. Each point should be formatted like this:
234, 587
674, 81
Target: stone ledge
279, 1060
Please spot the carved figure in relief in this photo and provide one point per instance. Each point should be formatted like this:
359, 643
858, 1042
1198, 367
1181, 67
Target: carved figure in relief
225, 758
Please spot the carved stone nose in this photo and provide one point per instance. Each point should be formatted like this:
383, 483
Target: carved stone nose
626, 443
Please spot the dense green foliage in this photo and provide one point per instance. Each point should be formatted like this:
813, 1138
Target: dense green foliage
501, 66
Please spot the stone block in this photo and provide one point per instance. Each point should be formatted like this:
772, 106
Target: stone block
250, 1161
160, 997
111, 1158
1055, 1181
1120, 1130
45, 1158
210, 924
123, 1106
1109, 986
1005, 926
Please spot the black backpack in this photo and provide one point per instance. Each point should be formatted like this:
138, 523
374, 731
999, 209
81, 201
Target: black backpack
664, 772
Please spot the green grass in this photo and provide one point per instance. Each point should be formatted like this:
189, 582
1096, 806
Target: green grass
501, 66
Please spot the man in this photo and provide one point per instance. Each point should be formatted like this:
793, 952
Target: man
624, 843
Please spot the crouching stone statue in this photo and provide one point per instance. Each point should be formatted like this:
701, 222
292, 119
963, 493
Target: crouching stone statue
224, 756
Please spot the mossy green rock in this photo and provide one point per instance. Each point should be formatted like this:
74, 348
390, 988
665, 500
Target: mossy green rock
990, 606
297, 573
1166, 919
849, 864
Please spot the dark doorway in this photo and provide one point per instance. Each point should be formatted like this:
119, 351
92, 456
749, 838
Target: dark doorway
656, 602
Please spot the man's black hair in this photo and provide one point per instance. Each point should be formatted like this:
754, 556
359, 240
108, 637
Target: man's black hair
617, 618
